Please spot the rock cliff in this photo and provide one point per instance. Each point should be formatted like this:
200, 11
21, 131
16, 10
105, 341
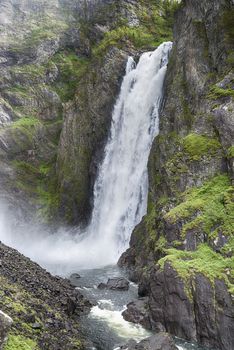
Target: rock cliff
60, 75
186, 266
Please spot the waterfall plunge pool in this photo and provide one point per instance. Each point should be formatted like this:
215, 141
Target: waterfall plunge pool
104, 326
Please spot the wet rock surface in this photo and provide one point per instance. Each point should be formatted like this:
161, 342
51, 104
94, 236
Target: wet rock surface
44, 308
117, 283
138, 312
160, 341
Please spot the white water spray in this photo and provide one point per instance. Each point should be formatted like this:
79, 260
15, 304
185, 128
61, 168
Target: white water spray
120, 193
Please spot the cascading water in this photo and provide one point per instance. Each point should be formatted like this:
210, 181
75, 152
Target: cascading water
120, 192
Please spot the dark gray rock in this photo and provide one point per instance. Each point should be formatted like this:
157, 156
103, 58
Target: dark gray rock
160, 341
138, 312
118, 283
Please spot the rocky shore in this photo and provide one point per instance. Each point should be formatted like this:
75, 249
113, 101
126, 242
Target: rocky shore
44, 309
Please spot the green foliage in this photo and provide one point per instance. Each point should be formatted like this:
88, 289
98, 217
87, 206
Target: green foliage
71, 68
210, 206
227, 24
231, 152
156, 22
197, 146
18, 342
30, 70
204, 260
26, 122
47, 28
217, 92
118, 37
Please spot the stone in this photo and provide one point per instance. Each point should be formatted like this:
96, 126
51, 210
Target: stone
160, 341
138, 312
118, 283
5, 325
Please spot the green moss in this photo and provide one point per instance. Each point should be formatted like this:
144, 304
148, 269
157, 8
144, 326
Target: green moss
230, 152
217, 92
32, 71
204, 260
17, 342
26, 122
156, 22
71, 69
197, 146
227, 21
210, 206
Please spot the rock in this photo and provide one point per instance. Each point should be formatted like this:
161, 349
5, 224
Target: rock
102, 286
74, 279
118, 283
138, 312
5, 325
160, 341
36, 325
44, 303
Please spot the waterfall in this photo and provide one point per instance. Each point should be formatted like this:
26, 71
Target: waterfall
120, 192
121, 188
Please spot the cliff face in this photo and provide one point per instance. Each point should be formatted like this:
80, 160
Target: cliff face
60, 75
186, 266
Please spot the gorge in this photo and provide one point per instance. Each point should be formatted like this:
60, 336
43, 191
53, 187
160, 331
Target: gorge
84, 111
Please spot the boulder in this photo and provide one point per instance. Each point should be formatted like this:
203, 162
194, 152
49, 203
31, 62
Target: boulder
138, 312
5, 324
116, 283
160, 341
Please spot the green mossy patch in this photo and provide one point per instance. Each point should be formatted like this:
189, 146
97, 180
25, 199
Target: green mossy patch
39, 183
217, 92
196, 146
155, 26
18, 342
205, 261
230, 152
210, 207
71, 69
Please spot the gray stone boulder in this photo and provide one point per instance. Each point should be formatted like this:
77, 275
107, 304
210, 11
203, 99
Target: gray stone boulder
117, 283
138, 312
160, 341
5, 324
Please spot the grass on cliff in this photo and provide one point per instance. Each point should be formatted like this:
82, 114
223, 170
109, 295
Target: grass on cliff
209, 207
217, 92
197, 146
205, 261
71, 69
155, 26
18, 342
